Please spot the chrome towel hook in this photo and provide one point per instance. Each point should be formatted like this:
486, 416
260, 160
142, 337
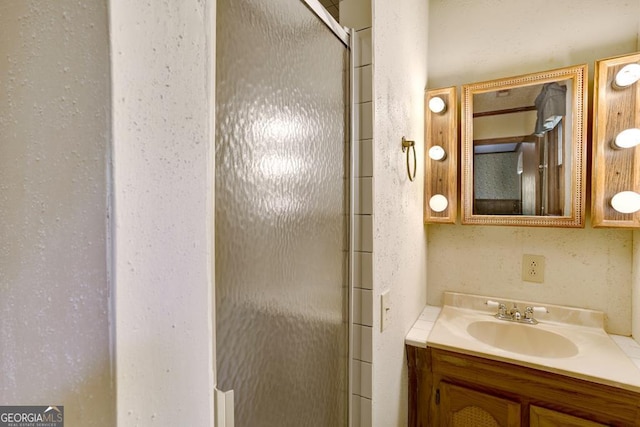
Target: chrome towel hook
407, 146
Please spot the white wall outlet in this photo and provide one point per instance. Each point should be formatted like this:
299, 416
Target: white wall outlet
385, 309
533, 268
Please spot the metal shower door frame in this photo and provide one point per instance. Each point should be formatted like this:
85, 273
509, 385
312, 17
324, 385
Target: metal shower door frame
341, 32
347, 37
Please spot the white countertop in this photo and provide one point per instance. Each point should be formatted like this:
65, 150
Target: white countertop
604, 358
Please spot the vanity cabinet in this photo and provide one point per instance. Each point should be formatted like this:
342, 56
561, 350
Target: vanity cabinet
453, 389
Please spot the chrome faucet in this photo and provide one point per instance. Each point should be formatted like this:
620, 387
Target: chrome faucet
515, 315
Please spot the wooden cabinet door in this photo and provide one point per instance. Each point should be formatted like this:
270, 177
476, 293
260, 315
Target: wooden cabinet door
542, 417
463, 407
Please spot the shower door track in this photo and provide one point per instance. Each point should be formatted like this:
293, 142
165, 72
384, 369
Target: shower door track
329, 21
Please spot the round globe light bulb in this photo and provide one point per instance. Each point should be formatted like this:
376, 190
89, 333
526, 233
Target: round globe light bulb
626, 202
628, 75
437, 105
628, 138
437, 153
438, 203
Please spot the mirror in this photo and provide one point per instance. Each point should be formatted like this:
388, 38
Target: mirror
523, 149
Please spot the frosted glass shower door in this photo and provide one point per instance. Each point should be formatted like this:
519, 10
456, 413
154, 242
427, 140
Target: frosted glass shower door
281, 215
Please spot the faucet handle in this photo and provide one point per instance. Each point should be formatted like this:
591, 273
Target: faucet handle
502, 310
491, 303
528, 312
538, 310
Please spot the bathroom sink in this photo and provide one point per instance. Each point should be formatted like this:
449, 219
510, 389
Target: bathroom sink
530, 340
567, 340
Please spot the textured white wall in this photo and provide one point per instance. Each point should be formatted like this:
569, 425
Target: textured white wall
399, 79
162, 54
469, 41
54, 144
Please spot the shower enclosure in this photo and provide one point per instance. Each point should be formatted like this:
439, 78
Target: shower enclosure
282, 214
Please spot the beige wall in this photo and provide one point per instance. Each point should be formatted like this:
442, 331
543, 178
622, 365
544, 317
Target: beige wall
470, 41
162, 62
399, 247
54, 149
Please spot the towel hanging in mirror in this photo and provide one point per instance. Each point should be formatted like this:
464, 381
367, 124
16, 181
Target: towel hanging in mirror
551, 104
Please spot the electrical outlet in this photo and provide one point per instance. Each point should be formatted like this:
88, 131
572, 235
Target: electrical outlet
533, 268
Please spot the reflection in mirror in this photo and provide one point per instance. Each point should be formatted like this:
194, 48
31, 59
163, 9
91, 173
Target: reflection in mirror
520, 161
523, 143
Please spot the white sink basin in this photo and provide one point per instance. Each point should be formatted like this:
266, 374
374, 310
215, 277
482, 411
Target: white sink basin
522, 339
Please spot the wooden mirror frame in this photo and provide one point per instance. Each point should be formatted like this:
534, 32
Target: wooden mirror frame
576, 218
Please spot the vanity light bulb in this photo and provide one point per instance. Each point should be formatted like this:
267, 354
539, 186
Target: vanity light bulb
437, 105
438, 203
437, 153
628, 138
628, 75
626, 202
